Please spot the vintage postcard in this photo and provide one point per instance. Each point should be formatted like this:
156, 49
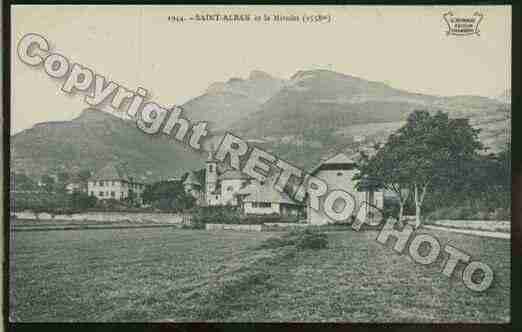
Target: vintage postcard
260, 164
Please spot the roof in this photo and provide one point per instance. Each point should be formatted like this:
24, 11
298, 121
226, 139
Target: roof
368, 184
339, 161
195, 177
339, 158
233, 175
192, 179
110, 172
264, 193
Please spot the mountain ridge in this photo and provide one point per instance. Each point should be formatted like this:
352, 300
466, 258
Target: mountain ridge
300, 119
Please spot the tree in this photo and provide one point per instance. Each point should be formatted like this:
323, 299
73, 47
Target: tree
427, 150
438, 147
20, 181
52, 203
82, 201
84, 175
168, 195
48, 182
63, 177
385, 171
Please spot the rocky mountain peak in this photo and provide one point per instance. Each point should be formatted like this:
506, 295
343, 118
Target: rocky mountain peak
259, 75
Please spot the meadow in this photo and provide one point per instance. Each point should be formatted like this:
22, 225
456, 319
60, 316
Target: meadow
168, 274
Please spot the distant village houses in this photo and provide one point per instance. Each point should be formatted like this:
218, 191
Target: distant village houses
215, 186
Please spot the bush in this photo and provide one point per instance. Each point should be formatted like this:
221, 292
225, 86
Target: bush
216, 215
391, 209
469, 213
312, 240
111, 205
268, 218
302, 239
501, 214
82, 201
193, 225
273, 243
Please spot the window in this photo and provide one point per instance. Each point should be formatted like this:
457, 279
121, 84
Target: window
101, 183
210, 168
339, 173
230, 188
101, 193
261, 205
112, 194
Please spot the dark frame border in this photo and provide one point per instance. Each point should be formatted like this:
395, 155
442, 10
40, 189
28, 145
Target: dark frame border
516, 209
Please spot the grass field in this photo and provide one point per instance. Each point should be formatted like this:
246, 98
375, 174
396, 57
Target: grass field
167, 274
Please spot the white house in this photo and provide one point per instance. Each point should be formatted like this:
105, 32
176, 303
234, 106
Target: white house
337, 172
73, 187
263, 198
112, 182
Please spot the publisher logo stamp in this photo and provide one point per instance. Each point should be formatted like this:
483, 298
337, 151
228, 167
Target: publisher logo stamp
463, 25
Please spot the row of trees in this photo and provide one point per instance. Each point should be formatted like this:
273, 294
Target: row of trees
168, 196
433, 154
52, 203
23, 182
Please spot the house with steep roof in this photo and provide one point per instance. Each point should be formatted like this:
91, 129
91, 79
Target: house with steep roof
263, 198
113, 182
338, 172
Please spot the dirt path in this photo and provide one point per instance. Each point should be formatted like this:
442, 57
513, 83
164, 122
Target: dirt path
496, 235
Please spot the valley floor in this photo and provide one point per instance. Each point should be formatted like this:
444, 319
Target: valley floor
168, 274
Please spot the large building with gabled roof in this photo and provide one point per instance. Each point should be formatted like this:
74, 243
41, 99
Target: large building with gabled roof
114, 182
338, 173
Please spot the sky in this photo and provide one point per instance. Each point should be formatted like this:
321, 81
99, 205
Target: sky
137, 46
